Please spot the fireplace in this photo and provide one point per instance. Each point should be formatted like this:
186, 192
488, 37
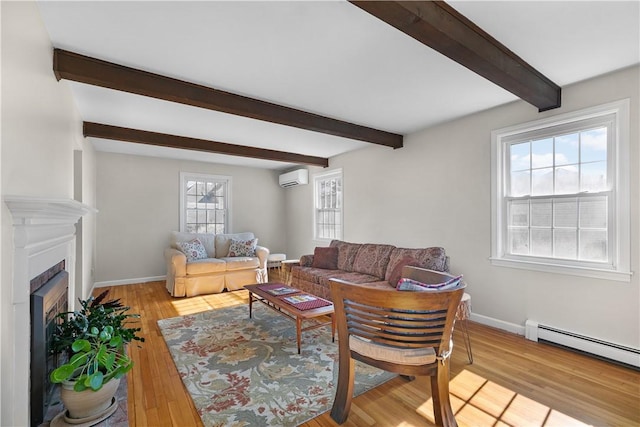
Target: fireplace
49, 297
43, 236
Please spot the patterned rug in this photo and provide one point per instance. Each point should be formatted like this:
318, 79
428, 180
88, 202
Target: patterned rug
247, 372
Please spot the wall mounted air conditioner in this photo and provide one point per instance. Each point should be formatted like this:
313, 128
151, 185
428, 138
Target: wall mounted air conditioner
293, 178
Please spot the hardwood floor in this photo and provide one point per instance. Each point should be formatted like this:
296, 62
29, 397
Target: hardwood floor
512, 382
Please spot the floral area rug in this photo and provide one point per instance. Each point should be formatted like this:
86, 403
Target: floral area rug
247, 372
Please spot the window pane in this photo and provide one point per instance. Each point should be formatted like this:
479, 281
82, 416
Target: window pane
593, 245
520, 158
191, 228
567, 180
211, 228
567, 147
542, 181
541, 242
593, 212
191, 187
519, 213
542, 153
520, 185
565, 243
594, 177
541, 213
201, 228
191, 216
191, 202
221, 217
519, 241
565, 213
593, 145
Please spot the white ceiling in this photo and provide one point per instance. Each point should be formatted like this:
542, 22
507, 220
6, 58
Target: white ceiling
326, 57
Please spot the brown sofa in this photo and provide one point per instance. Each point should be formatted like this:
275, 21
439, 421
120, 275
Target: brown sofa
371, 264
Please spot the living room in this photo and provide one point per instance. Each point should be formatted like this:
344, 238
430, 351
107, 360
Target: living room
434, 191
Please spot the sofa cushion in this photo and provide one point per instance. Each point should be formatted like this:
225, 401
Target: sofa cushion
223, 242
372, 259
325, 258
432, 258
193, 249
349, 276
207, 241
241, 263
314, 275
242, 248
207, 265
346, 253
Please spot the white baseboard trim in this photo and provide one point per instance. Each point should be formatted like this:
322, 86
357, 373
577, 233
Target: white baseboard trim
128, 281
499, 324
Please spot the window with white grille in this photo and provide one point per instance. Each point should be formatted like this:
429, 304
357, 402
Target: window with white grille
560, 194
328, 205
204, 203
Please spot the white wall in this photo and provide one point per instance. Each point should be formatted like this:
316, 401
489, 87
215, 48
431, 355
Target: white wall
138, 203
40, 129
436, 192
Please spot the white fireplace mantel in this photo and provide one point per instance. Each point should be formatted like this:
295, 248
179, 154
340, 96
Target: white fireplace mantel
43, 235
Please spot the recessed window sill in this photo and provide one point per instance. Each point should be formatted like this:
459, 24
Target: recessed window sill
618, 276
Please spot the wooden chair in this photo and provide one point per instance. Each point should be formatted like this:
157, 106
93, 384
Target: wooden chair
408, 333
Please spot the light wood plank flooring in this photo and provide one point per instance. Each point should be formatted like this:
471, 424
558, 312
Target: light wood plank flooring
512, 382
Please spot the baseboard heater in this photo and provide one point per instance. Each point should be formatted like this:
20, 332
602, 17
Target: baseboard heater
627, 355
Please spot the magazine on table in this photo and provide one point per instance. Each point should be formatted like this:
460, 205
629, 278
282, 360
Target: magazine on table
297, 299
282, 290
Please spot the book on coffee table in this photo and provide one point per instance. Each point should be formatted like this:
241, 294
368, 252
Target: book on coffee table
306, 301
282, 290
297, 299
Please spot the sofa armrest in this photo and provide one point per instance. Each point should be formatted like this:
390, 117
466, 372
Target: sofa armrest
176, 262
306, 260
262, 253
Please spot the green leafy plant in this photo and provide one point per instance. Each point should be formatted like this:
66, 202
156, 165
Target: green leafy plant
94, 339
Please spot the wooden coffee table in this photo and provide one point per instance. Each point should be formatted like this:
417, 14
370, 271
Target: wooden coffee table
277, 304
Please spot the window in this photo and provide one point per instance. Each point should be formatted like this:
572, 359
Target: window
560, 194
327, 197
204, 203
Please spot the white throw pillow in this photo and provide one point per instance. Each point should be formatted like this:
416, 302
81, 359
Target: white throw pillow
243, 247
193, 249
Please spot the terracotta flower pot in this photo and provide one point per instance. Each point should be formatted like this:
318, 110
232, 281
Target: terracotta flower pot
88, 404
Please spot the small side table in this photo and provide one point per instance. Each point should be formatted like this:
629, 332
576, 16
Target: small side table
275, 261
286, 269
462, 317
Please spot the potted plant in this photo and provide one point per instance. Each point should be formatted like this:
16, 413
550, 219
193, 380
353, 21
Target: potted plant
93, 341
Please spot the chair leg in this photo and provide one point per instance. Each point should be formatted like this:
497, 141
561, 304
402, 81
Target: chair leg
442, 411
344, 390
467, 342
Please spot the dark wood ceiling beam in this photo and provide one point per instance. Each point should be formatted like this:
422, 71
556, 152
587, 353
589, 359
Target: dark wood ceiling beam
442, 28
98, 130
84, 69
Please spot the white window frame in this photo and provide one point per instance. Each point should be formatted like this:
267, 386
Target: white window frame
317, 179
619, 209
187, 176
